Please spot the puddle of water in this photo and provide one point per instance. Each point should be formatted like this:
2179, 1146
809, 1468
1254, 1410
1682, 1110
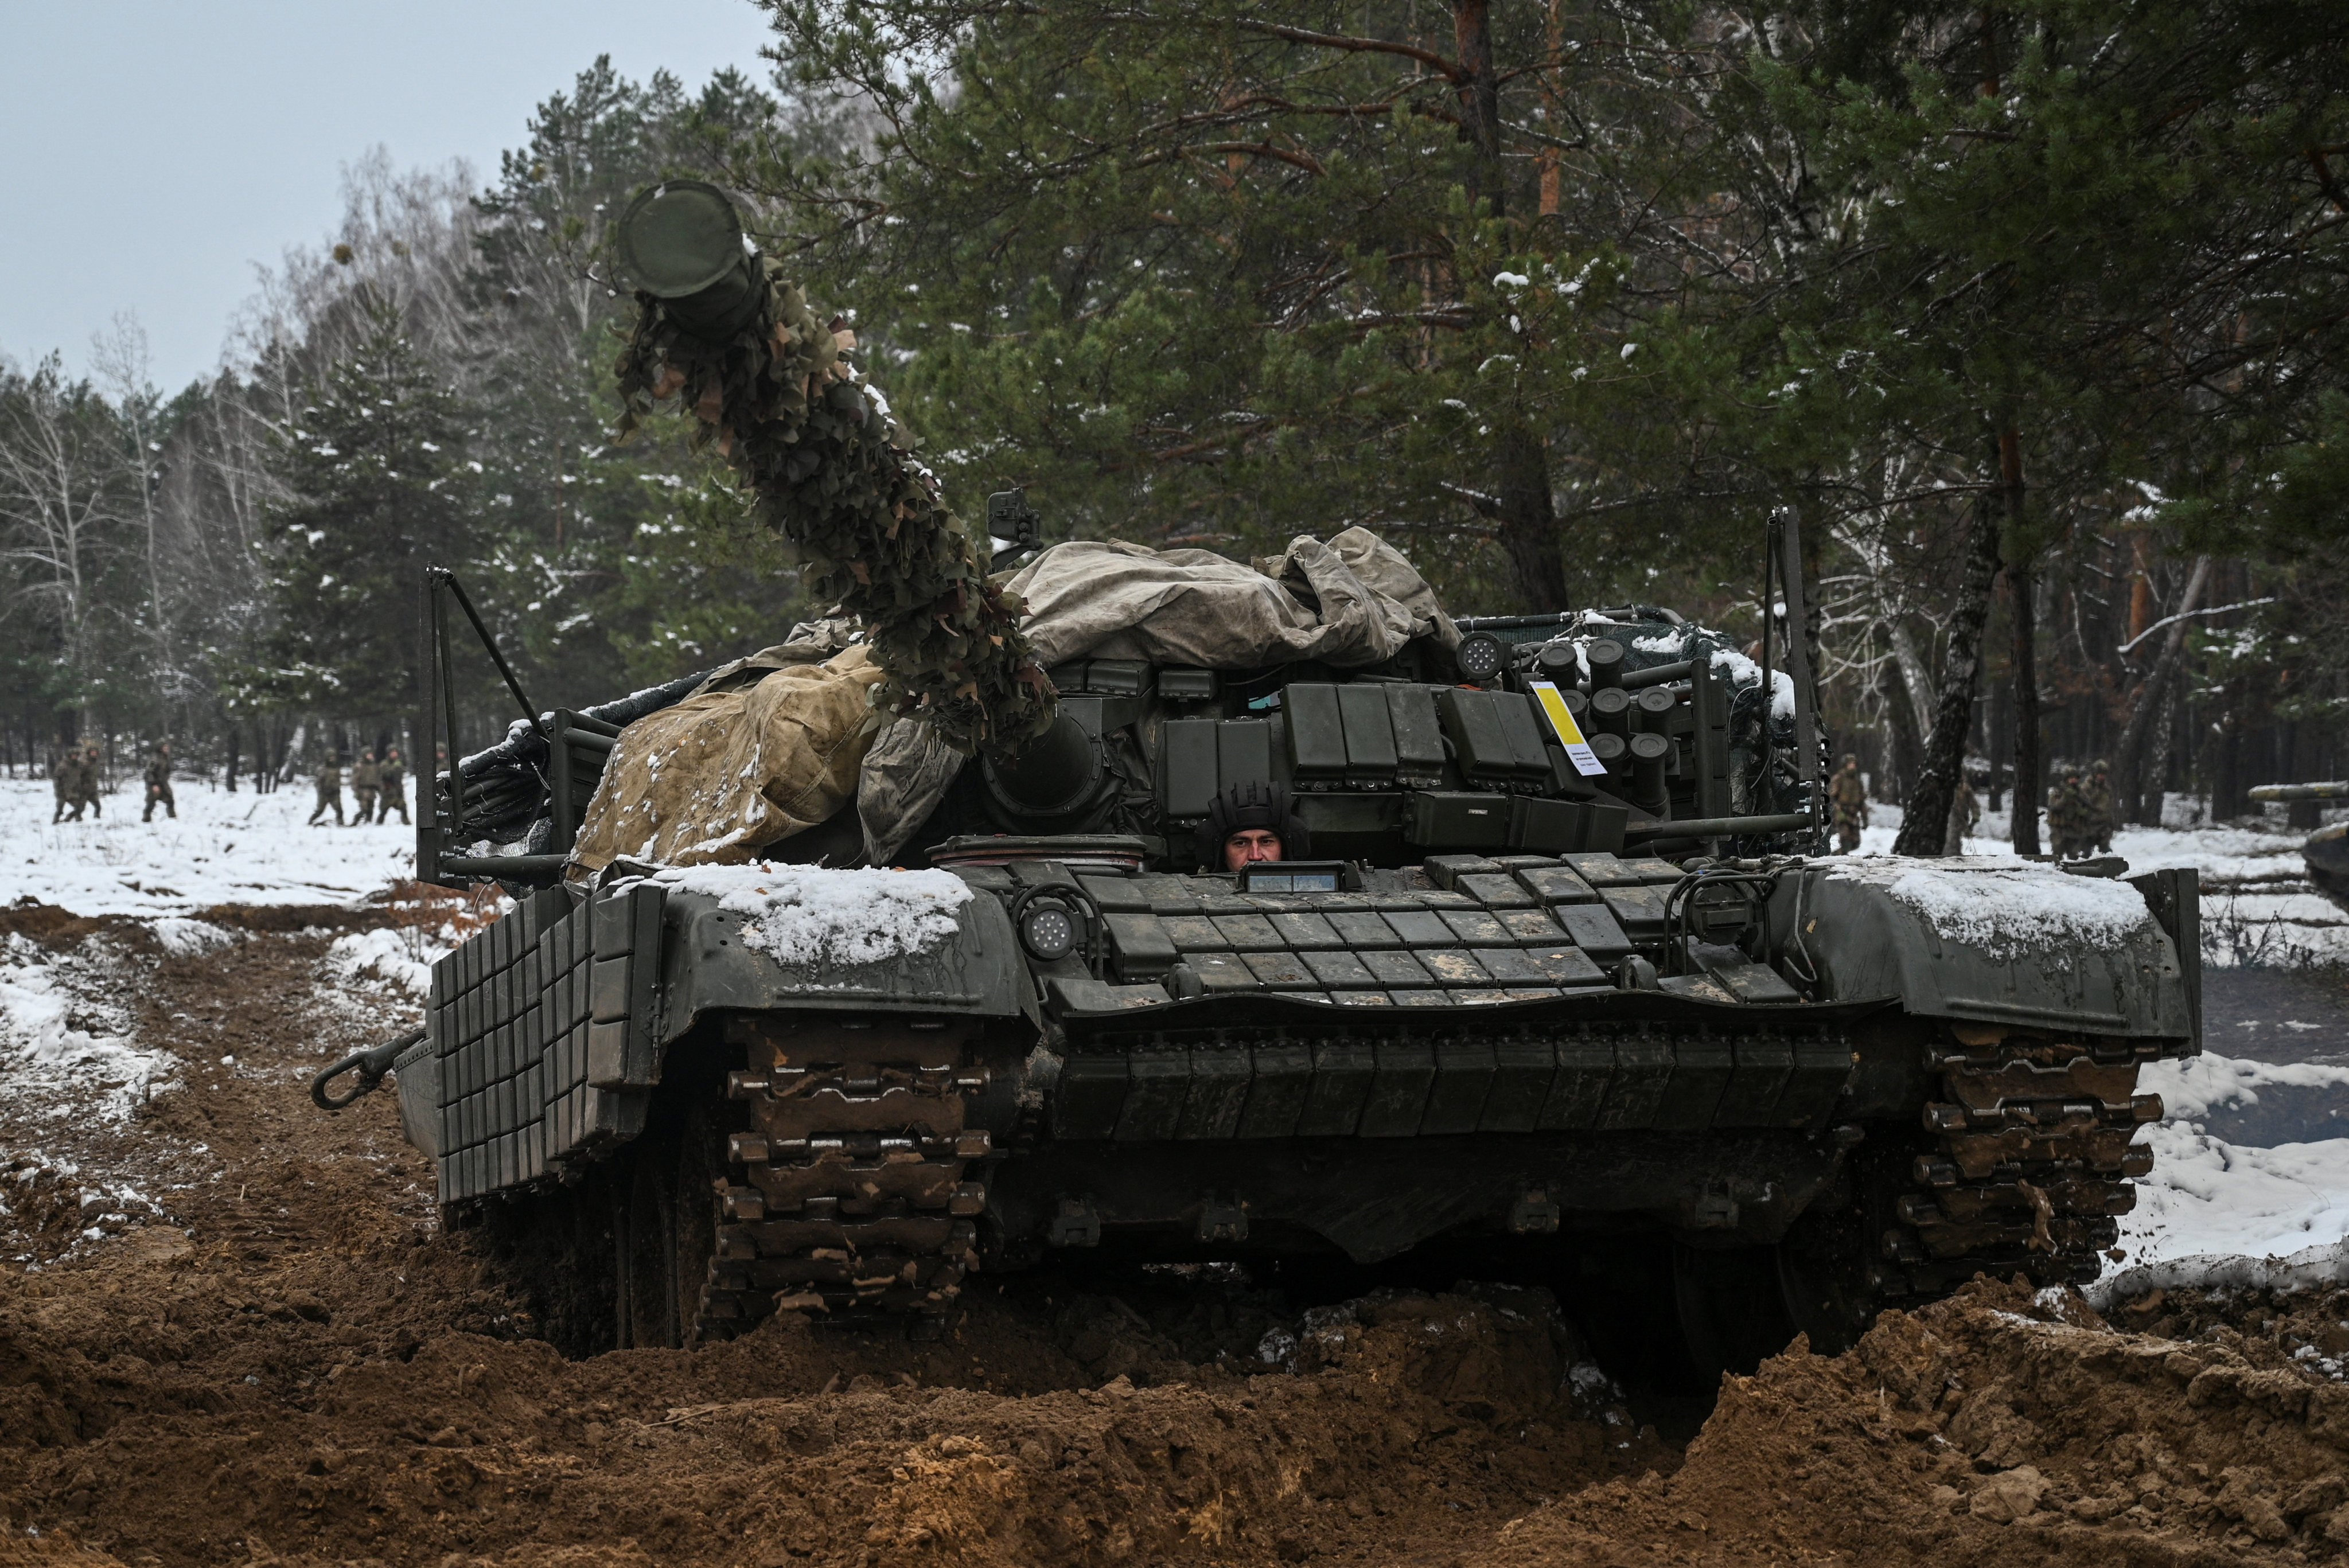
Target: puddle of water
2278, 1016
2275, 1015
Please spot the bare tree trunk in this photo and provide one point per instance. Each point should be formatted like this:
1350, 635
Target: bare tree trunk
2029, 787
1928, 809
1480, 101
2129, 756
121, 359
1916, 680
2030, 779
1528, 521
2165, 747
1528, 526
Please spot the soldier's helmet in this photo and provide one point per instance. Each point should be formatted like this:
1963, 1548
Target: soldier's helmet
1849, 760
2100, 766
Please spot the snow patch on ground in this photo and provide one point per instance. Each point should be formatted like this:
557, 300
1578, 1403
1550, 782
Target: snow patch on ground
400, 958
221, 848
2192, 1089
2209, 1196
2310, 1268
189, 938
808, 915
47, 1050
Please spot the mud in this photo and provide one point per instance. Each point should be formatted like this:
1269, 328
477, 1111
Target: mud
284, 1359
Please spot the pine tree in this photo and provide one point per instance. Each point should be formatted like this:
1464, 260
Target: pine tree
595, 584
377, 481
1217, 277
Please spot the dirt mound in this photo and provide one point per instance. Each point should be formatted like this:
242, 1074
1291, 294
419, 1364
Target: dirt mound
61, 929
287, 1361
173, 1408
2002, 1425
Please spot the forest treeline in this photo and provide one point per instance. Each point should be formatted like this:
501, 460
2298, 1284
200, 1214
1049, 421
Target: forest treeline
2032, 315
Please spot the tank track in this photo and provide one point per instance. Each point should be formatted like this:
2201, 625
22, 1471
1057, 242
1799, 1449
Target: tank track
848, 1194
2031, 1157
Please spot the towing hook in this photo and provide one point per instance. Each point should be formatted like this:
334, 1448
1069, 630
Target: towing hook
370, 1065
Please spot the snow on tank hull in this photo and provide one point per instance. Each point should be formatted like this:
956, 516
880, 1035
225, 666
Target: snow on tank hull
834, 1090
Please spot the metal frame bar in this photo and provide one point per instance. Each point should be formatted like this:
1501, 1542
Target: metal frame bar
441, 574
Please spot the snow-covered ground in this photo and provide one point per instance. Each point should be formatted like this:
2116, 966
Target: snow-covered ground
59, 1040
2209, 1195
75, 1064
222, 849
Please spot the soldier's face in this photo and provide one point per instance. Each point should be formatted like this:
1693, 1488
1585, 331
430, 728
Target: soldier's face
1249, 846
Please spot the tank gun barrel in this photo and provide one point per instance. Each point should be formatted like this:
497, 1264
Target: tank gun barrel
728, 338
2330, 790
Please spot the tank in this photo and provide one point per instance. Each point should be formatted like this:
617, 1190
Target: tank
1548, 959
1552, 964
2325, 851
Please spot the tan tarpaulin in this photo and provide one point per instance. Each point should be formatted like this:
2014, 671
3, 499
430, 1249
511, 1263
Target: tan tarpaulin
754, 757
726, 772
1354, 601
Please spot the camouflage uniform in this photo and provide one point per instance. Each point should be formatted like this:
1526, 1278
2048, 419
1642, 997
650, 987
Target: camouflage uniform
159, 785
2067, 813
89, 779
329, 781
394, 788
65, 769
2096, 819
1847, 792
366, 782
1965, 816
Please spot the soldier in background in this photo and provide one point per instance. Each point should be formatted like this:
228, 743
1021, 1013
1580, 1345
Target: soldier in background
1847, 792
2097, 814
65, 768
329, 781
159, 783
366, 782
1965, 816
2065, 810
91, 775
395, 787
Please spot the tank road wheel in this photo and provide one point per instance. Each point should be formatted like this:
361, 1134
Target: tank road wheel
847, 1194
665, 1225
693, 1236
647, 1232
1832, 1274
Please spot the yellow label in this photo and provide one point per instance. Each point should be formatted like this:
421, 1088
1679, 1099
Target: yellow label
1570, 733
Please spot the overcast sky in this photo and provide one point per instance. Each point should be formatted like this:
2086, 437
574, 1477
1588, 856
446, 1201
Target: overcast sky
155, 151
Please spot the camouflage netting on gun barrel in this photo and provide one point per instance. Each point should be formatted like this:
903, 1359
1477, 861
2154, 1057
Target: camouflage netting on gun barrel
835, 474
